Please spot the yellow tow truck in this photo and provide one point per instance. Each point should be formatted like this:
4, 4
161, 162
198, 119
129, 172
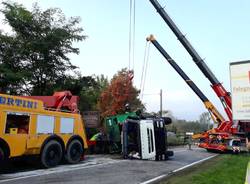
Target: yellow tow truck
49, 126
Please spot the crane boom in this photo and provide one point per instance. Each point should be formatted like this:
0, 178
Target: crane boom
220, 91
61, 100
216, 116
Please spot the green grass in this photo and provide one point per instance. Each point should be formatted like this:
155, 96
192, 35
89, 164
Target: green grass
223, 169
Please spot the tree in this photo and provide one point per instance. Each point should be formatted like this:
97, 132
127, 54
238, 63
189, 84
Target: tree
119, 92
34, 57
167, 113
205, 118
88, 88
12, 71
91, 92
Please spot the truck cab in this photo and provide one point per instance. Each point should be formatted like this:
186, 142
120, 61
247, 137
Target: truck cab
145, 139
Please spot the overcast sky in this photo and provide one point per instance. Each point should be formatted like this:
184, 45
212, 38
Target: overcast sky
218, 30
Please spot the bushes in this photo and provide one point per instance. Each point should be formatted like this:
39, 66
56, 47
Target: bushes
175, 140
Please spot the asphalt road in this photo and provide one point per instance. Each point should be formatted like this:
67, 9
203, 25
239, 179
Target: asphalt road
106, 169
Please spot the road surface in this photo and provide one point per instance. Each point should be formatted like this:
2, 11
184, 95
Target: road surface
106, 169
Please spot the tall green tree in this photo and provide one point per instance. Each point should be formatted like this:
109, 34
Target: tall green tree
35, 55
91, 92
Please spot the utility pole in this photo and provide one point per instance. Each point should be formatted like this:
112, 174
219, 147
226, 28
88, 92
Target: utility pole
161, 103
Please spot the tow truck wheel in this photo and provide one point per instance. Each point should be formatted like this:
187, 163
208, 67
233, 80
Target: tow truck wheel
74, 152
51, 154
2, 159
2, 155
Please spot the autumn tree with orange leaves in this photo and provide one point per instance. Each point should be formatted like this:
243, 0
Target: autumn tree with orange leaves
118, 93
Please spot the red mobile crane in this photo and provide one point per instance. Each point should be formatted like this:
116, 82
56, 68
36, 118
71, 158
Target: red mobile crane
226, 134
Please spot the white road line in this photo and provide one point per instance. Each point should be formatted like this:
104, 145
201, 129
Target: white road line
186, 166
154, 179
59, 171
197, 162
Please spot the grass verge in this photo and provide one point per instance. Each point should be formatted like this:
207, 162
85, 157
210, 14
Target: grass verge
223, 169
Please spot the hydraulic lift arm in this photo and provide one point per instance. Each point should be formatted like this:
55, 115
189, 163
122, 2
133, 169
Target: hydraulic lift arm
216, 116
220, 91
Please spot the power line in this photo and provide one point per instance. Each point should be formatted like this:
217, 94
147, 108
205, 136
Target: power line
144, 68
131, 33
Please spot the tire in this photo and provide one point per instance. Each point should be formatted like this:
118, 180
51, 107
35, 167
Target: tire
3, 160
2, 155
51, 154
74, 152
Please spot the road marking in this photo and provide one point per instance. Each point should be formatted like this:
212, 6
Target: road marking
84, 165
154, 179
186, 166
54, 171
194, 163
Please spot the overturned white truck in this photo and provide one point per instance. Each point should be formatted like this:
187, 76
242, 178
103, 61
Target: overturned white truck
145, 138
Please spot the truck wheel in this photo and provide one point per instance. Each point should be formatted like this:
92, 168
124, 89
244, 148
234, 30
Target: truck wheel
2, 156
3, 160
74, 152
51, 154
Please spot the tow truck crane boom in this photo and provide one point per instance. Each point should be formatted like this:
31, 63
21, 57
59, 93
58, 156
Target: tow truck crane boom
216, 116
61, 100
220, 91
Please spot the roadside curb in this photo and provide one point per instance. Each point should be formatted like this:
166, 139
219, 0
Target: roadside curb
248, 174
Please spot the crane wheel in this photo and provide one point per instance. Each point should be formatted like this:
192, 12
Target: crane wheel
51, 154
74, 152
